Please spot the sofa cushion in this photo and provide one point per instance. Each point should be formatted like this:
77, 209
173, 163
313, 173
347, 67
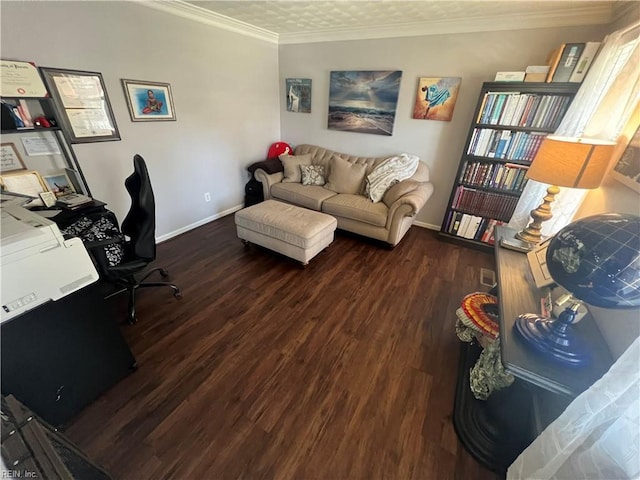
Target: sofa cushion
312, 174
291, 166
309, 196
345, 176
356, 207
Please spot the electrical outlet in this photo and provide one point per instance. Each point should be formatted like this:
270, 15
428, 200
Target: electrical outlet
207, 197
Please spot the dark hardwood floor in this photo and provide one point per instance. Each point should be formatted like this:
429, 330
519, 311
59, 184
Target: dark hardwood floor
343, 370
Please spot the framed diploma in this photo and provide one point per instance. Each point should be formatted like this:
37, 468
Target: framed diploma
83, 103
20, 79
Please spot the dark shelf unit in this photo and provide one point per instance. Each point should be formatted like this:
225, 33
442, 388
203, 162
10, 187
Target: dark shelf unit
500, 144
43, 106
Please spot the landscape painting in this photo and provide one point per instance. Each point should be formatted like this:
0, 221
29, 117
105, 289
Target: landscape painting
363, 101
298, 95
436, 98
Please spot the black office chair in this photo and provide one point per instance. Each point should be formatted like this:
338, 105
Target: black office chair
140, 248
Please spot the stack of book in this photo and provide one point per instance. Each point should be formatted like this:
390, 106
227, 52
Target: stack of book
571, 61
507, 176
514, 109
472, 227
73, 201
485, 204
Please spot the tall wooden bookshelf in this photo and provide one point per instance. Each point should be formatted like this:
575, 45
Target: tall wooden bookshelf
509, 123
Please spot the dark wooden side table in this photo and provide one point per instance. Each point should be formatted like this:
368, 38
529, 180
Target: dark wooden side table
495, 431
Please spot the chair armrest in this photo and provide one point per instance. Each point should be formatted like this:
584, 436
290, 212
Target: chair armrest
267, 180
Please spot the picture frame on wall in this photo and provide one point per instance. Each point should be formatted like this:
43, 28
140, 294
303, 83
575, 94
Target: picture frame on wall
149, 101
10, 159
363, 101
436, 98
298, 92
627, 169
83, 104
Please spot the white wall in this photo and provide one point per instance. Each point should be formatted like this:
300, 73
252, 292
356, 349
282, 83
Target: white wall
475, 57
225, 91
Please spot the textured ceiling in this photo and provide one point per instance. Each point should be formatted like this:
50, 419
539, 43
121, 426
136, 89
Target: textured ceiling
318, 21
286, 17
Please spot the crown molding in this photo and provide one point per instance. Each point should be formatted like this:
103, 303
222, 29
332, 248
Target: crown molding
589, 15
201, 15
574, 16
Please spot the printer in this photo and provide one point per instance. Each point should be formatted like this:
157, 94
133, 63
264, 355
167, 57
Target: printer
36, 263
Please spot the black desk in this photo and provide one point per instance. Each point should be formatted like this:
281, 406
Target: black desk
518, 294
62, 355
496, 431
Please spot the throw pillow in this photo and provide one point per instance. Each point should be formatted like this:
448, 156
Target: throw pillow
312, 174
292, 164
345, 177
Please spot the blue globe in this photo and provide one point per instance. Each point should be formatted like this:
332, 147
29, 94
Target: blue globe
597, 259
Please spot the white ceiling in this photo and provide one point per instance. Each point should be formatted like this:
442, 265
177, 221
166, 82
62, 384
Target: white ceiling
314, 21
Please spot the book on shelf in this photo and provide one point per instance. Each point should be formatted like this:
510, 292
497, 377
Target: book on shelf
536, 73
464, 224
509, 77
554, 58
584, 62
568, 60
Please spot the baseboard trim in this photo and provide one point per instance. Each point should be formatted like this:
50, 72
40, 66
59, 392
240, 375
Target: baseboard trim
197, 224
430, 226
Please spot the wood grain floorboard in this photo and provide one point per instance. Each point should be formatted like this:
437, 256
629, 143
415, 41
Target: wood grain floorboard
345, 369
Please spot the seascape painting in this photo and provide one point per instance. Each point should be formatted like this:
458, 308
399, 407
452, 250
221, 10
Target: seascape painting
298, 95
363, 101
436, 98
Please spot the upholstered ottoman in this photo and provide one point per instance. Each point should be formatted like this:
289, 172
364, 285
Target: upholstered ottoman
293, 231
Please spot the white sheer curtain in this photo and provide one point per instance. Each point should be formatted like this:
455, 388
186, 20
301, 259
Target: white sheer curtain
597, 436
601, 108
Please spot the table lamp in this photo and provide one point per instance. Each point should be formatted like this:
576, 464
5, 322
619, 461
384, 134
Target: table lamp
562, 162
596, 259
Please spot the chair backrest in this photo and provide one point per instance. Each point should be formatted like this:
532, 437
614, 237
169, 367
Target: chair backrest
140, 223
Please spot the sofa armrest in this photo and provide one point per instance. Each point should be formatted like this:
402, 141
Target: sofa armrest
267, 180
410, 202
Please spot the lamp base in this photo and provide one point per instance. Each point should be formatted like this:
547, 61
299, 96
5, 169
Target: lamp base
553, 338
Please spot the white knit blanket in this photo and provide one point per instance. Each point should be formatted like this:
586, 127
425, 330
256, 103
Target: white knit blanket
388, 173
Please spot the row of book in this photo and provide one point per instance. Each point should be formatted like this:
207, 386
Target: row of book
483, 203
504, 176
515, 109
472, 227
505, 144
571, 61
19, 113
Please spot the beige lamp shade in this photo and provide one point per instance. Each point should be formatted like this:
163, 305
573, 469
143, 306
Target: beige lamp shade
571, 162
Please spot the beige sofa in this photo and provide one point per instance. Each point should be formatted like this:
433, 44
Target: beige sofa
387, 220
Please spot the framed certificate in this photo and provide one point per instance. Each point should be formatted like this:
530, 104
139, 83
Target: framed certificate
10, 159
83, 103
